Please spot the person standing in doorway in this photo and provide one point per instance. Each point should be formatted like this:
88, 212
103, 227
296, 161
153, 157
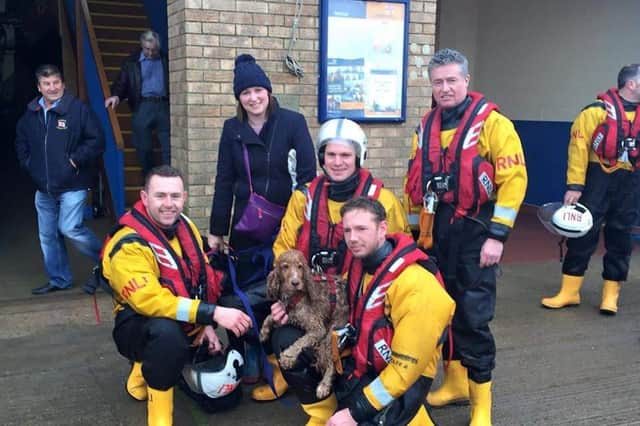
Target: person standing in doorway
144, 81
59, 142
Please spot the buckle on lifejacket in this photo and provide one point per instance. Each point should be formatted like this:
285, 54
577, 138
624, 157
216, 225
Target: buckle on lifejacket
323, 259
440, 183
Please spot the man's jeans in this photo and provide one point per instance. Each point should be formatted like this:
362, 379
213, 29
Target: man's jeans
61, 216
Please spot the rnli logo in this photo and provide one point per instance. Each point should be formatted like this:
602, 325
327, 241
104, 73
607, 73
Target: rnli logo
485, 182
163, 256
62, 124
383, 350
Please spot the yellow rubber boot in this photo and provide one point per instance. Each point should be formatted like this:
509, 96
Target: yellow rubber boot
136, 385
264, 392
160, 407
569, 294
610, 293
480, 394
454, 389
320, 412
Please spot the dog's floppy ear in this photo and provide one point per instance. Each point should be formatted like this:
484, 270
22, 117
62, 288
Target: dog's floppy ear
273, 283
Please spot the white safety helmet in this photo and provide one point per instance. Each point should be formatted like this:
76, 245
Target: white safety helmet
571, 221
342, 129
215, 377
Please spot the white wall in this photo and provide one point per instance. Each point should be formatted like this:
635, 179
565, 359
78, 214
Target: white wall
543, 60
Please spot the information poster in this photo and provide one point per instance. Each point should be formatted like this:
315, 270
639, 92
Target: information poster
363, 60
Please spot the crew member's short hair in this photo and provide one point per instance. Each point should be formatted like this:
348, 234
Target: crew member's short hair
628, 72
449, 56
367, 204
162, 171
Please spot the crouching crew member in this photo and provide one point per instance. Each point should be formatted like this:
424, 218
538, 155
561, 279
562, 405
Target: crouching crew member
312, 222
603, 151
467, 156
164, 292
394, 290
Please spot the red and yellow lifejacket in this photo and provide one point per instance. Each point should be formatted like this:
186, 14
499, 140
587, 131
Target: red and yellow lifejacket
471, 176
607, 138
372, 350
189, 275
317, 232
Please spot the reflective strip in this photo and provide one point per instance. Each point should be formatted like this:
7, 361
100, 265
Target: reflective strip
380, 392
339, 128
505, 213
184, 306
372, 189
396, 264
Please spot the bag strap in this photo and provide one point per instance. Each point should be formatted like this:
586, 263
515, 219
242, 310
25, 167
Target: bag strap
245, 153
266, 367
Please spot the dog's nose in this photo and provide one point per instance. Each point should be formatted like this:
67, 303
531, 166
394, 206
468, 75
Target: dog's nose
295, 283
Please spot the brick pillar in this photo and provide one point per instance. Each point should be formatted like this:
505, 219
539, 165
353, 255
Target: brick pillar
204, 38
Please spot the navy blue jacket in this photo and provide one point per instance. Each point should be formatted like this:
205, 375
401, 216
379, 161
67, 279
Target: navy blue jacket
72, 132
268, 155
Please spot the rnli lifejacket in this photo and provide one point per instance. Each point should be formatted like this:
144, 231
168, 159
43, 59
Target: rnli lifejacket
317, 232
372, 350
606, 141
188, 275
471, 177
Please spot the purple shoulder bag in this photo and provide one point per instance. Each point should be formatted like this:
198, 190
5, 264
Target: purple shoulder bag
260, 218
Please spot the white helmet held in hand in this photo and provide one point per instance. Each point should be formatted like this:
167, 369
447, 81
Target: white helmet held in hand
345, 131
566, 220
215, 377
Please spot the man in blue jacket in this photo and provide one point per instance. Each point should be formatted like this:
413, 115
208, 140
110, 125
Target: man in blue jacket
58, 142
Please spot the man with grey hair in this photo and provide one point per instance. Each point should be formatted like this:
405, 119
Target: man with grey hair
604, 151
144, 81
467, 178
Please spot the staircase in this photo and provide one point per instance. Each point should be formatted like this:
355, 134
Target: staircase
118, 25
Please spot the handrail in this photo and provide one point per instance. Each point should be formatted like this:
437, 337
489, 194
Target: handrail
102, 76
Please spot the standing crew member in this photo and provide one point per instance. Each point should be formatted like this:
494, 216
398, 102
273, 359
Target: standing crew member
603, 152
467, 158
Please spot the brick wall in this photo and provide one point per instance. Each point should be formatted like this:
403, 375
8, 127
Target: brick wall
204, 38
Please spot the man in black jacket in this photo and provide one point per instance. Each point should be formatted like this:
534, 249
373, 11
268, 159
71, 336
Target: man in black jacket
144, 82
58, 142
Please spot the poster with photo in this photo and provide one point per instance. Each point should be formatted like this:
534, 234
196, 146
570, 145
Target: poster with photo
363, 60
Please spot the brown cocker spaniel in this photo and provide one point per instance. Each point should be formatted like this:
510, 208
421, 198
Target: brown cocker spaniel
308, 300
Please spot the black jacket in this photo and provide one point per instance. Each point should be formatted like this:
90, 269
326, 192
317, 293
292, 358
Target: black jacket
268, 155
72, 132
128, 84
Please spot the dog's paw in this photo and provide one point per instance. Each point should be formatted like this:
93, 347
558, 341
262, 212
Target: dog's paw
287, 360
323, 390
264, 335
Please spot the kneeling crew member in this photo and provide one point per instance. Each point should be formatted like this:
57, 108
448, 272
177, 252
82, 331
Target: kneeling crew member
394, 290
164, 291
